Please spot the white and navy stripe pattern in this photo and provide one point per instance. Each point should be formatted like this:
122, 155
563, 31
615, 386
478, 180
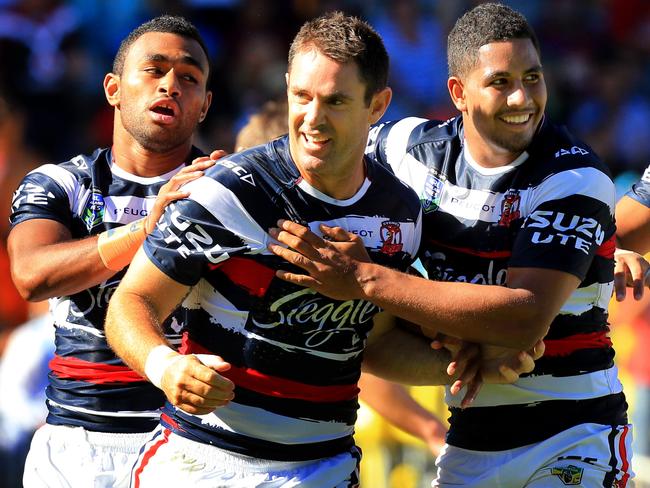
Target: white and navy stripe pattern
551, 208
88, 385
295, 354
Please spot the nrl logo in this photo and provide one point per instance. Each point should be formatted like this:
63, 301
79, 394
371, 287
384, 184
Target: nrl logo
93, 214
432, 194
569, 475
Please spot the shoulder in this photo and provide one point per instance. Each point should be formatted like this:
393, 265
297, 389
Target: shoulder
392, 140
387, 182
562, 166
561, 150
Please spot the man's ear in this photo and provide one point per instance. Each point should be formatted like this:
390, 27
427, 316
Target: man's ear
457, 93
379, 104
112, 89
206, 105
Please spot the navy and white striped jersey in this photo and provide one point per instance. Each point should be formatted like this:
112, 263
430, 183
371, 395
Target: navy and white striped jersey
550, 208
295, 354
640, 191
88, 385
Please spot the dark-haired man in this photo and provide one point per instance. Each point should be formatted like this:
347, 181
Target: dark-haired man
508, 199
77, 224
264, 392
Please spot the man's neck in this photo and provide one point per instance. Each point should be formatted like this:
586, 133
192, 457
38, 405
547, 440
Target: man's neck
486, 155
135, 159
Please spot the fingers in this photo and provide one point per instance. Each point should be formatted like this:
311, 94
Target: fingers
199, 164
218, 154
620, 281
292, 257
301, 232
465, 365
538, 350
630, 268
338, 234
196, 387
298, 279
305, 249
472, 391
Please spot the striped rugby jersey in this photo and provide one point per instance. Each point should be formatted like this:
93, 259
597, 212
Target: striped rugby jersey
640, 191
88, 385
295, 354
550, 208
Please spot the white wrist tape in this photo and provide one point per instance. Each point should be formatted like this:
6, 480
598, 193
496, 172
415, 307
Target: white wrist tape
158, 360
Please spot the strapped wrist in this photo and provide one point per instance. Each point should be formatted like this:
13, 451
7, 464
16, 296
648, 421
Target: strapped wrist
117, 247
158, 360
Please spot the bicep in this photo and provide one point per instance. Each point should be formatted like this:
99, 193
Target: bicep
30, 236
633, 225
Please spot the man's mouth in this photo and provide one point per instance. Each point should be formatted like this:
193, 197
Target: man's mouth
316, 140
516, 119
163, 112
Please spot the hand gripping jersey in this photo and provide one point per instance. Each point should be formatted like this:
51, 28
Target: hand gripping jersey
88, 385
640, 191
295, 354
551, 208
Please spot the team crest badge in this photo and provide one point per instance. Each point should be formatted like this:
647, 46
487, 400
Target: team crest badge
391, 237
569, 475
432, 193
93, 213
510, 208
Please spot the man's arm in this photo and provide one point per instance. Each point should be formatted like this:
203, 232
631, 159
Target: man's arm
516, 316
633, 225
393, 402
142, 301
47, 262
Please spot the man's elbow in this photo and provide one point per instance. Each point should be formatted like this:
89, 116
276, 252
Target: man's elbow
29, 286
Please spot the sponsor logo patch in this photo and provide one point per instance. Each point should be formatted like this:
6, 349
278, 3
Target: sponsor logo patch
569, 475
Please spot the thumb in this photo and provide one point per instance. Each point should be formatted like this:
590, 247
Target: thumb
212, 361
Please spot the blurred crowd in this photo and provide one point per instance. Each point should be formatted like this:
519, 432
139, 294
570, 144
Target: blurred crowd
54, 54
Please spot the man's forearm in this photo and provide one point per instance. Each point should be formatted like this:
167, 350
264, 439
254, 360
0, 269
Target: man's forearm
133, 343
475, 313
404, 357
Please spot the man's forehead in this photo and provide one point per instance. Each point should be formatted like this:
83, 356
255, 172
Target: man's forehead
503, 55
174, 47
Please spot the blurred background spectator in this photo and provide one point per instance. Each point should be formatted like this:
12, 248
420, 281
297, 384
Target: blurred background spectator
54, 54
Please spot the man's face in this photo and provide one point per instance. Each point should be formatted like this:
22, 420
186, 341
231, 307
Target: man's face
503, 98
328, 117
162, 90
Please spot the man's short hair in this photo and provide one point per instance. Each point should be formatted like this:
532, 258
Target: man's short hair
170, 24
485, 23
344, 38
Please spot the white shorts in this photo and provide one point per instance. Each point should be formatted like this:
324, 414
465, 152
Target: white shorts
587, 455
169, 460
72, 457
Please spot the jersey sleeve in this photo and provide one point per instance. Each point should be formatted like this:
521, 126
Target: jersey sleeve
641, 189
201, 232
48, 192
571, 220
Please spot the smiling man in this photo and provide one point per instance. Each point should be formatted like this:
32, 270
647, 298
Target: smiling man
265, 390
516, 203
77, 224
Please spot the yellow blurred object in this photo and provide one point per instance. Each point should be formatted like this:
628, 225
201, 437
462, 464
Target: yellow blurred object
404, 476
